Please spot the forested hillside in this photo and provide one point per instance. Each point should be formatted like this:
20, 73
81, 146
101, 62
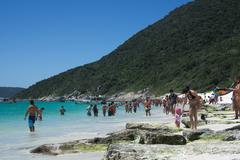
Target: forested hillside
197, 44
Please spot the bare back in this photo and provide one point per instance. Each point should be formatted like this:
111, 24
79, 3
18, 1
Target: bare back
195, 101
32, 110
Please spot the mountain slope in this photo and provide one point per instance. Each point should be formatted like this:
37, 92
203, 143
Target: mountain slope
196, 44
7, 92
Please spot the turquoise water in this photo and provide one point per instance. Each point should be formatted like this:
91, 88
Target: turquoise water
16, 140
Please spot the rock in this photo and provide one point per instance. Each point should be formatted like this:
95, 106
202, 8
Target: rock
237, 127
143, 133
124, 135
45, 149
195, 134
232, 135
185, 115
159, 138
187, 123
120, 152
143, 126
151, 127
197, 150
230, 138
127, 135
69, 147
218, 107
101, 140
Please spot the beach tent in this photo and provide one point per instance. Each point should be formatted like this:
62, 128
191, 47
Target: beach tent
222, 91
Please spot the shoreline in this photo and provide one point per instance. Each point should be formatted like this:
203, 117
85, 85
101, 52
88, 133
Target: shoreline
219, 131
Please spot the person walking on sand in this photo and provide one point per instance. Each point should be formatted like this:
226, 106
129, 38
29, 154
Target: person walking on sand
147, 106
166, 104
172, 101
236, 98
32, 113
178, 114
194, 104
62, 111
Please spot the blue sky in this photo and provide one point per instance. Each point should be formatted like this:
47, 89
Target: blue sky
41, 38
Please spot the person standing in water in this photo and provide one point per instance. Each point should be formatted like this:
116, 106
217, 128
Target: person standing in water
135, 106
40, 114
32, 113
62, 111
109, 109
130, 107
95, 110
126, 107
166, 104
236, 98
147, 106
89, 110
194, 104
104, 109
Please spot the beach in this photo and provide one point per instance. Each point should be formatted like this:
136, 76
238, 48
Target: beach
16, 140
214, 140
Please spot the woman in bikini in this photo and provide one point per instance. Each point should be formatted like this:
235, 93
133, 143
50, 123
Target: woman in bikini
195, 103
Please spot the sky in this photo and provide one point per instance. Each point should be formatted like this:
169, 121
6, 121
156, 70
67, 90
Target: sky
42, 38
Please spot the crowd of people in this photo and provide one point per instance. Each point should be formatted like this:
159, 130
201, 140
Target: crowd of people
171, 103
107, 109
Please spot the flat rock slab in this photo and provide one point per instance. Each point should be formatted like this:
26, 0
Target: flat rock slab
159, 138
190, 151
151, 127
193, 135
220, 127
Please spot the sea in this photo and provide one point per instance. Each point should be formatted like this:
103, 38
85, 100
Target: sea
16, 141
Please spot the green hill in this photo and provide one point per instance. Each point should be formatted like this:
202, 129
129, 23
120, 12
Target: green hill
197, 44
8, 92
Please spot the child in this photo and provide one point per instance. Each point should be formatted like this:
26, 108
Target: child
178, 114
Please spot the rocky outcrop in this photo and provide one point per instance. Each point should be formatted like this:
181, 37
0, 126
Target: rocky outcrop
234, 128
124, 135
45, 149
193, 135
143, 133
187, 124
122, 97
152, 127
195, 150
143, 141
160, 138
69, 147
122, 152
218, 107
232, 135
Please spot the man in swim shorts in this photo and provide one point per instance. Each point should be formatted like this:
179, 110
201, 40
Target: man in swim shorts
147, 106
32, 113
